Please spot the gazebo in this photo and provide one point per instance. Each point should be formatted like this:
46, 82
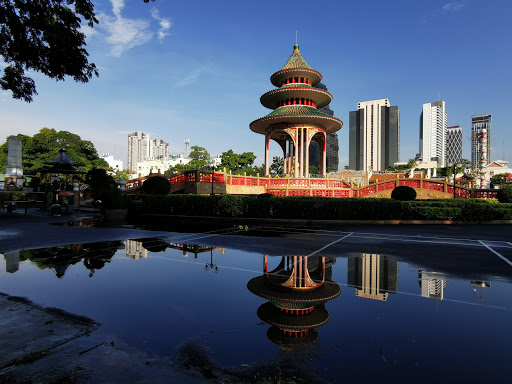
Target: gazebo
61, 165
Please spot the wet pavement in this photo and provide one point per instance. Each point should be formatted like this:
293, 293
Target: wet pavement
122, 320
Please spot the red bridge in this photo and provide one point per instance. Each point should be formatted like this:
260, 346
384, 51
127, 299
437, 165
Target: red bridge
206, 182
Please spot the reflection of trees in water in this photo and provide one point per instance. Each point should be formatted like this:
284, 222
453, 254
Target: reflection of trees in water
93, 255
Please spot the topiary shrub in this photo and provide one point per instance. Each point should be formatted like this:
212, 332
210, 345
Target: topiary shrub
156, 185
403, 193
504, 195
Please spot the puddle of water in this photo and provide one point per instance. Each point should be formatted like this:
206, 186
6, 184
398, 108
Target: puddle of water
367, 316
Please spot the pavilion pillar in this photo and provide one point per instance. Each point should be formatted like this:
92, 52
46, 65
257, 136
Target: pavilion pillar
307, 153
296, 152
324, 158
267, 166
301, 152
295, 271
290, 149
300, 271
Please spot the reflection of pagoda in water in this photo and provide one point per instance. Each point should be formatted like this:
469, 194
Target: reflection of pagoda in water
432, 284
297, 291
373, 276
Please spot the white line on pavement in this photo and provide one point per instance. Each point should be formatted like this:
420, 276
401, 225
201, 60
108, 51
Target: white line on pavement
328, 245
497, 253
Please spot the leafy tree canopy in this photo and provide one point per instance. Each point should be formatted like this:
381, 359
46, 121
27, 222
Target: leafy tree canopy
44, 36
277, 166
199, 157
239, 163
44, 146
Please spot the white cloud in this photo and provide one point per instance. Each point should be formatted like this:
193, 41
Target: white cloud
452, 7
189, 79
165, 24
124, 33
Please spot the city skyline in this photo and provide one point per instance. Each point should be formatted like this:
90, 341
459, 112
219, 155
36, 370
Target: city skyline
177, 74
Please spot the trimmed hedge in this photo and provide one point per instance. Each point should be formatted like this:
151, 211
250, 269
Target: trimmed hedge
403, 193
156, 185
319, 208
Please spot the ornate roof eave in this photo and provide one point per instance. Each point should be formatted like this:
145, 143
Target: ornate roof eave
278, 77
303, 115
62, 159
322, 98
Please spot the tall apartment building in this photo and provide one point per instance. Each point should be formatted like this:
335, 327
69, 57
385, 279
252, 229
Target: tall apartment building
433, 123
331, 146
374, 136
141, 148
453, 144
478, 122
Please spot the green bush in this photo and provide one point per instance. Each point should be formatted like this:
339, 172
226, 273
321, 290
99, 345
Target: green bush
113, 199
230, 206
504, 195
319, 208
156, 185
403, 193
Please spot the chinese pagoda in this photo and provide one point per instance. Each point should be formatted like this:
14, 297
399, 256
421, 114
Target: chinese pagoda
297, 290
296, 120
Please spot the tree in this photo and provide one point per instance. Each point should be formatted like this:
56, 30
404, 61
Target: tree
100, 182
238, 164
44, 146
277, 166
120, 175
199, 157
44, 36
499, 179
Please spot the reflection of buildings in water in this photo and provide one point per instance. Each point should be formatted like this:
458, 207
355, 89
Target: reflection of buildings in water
12, 261
194, 249
296, 292
432, 284
373, 276
135, 250
480, 284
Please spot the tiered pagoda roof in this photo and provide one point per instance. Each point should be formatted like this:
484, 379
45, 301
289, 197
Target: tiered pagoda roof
296, 100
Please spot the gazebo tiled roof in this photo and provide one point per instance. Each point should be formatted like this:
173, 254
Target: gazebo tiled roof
301, 114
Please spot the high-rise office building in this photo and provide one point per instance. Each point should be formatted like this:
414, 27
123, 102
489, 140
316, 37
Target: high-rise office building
478, 122
433, 123
453, 144
374, 136
373, 276
332, 145
141, 148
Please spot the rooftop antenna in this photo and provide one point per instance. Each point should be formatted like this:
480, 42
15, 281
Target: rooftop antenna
296, 37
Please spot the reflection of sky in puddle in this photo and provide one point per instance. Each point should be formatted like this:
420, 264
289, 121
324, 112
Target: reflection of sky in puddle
391, 320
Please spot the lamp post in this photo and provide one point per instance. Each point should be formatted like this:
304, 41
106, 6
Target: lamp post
211, 265
213, 176
454, 174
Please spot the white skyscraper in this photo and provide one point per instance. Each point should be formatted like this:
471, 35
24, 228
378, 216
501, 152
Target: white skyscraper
142, 148
374, 135
139, 146
433, 124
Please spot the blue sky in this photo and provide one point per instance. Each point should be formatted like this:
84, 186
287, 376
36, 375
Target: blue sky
196, 69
